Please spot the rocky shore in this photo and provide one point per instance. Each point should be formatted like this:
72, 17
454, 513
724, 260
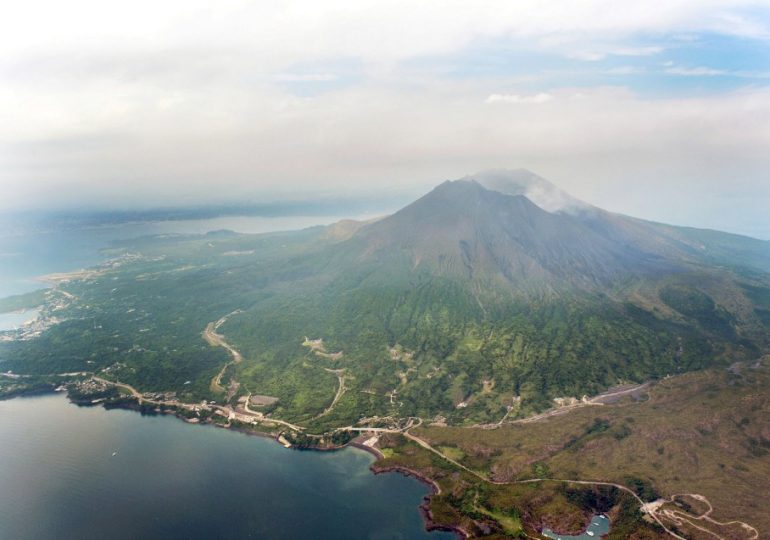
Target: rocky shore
425, 512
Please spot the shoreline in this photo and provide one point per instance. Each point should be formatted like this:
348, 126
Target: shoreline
585, 529
375, 468
423, 508
372, 450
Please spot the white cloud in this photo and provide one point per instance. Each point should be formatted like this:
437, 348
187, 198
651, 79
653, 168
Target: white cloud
696, 71
623, 70
116, 144
587, 56
120, 102
305, 77
703, 71
600, 53
376, 30
536, 99
637, 51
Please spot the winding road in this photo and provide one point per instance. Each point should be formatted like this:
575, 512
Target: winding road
679, 518
424, 444
656, 510
340, 373
653, 509
217, 340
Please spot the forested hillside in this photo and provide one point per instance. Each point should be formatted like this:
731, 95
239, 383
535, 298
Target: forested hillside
469, 304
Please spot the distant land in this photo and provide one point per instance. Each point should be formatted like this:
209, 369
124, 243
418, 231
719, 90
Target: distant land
23, 221
540, 361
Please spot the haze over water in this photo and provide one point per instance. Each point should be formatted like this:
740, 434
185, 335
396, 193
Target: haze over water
29, 252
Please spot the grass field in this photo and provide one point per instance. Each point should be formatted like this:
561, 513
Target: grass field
704, 433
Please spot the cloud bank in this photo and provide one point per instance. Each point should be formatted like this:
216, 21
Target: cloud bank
141, 104
541, 97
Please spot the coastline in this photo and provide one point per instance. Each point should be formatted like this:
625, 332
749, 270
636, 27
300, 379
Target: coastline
584, 530
371, 449
376, 468
28, 392
423, 508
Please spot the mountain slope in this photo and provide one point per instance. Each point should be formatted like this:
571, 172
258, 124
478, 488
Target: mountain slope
488, 286
469, 303
464, 231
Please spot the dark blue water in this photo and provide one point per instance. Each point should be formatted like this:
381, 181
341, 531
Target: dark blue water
60, 479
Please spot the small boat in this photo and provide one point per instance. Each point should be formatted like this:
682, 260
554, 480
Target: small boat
590, 533
115, 453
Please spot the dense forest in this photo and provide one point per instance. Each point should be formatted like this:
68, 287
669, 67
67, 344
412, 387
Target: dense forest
426, 337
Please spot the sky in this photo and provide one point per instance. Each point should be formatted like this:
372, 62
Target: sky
658, 109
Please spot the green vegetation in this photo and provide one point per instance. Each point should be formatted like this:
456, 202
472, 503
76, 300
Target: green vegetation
307, 441
81, 396
761, 298
703, 432
412, 343
700, 307
24, 301
459, 314
11, 387
513, 510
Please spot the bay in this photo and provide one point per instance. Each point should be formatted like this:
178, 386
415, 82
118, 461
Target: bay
598, 527
14, 319
60, 479
80, 473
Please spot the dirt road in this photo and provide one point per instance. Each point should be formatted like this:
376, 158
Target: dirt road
217, 340
340, 373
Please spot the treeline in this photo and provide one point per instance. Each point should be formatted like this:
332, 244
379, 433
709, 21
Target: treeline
473, 350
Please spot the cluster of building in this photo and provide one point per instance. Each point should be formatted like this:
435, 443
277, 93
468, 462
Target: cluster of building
90, 386
160, 396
